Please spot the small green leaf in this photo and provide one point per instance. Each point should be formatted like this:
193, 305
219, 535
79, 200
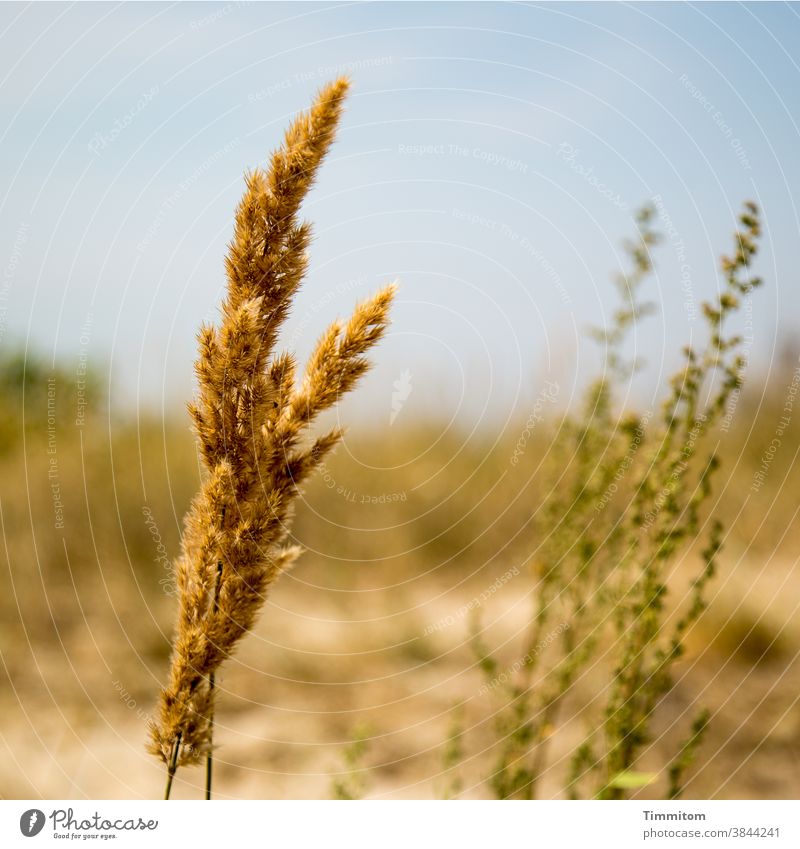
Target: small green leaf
632, 780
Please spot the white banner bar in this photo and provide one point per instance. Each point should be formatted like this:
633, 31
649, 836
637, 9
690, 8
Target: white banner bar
403, 825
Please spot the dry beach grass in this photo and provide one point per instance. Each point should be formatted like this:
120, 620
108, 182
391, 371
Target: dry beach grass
250, 419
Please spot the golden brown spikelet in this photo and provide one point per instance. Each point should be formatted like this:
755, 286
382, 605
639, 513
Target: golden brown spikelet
251, 421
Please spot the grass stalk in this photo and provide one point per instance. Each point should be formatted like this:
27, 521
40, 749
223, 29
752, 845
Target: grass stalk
211, 683
172, 766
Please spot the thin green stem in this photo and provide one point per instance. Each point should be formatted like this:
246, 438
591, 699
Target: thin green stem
209, 758
172, 765
211, 683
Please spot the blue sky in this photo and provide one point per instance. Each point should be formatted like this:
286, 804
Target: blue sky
491, 158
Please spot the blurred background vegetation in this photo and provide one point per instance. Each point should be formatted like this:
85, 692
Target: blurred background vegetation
405, 528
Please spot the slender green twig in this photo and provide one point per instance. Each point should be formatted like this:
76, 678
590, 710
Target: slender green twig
173, 765
209, 759
211, 682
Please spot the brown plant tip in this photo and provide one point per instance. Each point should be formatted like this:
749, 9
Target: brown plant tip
252, 422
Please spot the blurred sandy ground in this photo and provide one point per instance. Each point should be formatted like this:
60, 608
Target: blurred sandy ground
345, 645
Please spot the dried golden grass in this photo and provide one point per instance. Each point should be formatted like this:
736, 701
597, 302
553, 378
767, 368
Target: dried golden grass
251, 419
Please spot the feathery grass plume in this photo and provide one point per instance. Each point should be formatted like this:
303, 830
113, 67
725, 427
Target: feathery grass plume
251, 421
625, 500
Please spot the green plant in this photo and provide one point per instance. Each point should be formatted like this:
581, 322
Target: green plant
352, 782
453, 755
624, 497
